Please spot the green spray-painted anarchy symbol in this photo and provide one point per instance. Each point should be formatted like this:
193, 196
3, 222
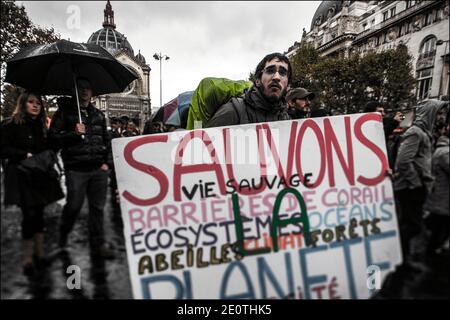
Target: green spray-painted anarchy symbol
276, 222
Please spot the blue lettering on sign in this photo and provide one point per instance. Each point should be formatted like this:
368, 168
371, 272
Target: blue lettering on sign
309, 281
264, 269
265, 274
356, 212
250, 294
327, 214
348, 262
370, 215
341, 215
180, 289
386, 214
383, 265
312, 216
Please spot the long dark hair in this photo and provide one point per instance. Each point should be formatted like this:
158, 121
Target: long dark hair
20, 112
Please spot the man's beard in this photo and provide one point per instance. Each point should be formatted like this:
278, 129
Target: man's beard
272, 99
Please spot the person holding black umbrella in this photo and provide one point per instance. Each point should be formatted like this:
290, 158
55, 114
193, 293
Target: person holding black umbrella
86, 154
24, 136
78, 128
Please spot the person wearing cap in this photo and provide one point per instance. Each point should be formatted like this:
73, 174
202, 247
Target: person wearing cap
299, 103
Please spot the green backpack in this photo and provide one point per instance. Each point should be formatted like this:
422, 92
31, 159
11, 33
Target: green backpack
211, 94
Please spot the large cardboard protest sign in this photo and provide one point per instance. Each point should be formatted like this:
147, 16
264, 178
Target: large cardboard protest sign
291, 209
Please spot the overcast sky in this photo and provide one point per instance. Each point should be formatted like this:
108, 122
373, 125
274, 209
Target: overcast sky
203, 39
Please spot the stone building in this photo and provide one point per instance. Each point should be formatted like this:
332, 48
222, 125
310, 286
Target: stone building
134, 101
344, 27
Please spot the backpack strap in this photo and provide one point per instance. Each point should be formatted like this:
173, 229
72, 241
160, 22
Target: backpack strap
241, 110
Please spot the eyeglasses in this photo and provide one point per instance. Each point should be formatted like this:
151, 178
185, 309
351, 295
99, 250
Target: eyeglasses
271, 70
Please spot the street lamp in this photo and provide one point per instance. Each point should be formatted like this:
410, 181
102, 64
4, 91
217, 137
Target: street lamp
444, 56
160, 57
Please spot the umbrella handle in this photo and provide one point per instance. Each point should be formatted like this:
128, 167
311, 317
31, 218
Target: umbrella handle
78, 101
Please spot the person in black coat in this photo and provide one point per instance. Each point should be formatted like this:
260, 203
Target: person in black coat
87, 158
389, 125
23, 136
152, 127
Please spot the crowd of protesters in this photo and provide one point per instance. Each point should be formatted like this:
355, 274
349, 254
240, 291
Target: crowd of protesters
418, 156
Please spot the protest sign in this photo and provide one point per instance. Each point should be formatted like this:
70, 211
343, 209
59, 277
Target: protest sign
290, 209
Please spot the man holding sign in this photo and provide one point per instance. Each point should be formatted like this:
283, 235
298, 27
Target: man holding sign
265, 101
311, 215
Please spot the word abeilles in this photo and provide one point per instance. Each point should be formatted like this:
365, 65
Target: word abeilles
190, 257
326, 140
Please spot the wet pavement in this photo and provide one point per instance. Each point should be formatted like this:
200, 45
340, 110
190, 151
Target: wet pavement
423, 278
100, 279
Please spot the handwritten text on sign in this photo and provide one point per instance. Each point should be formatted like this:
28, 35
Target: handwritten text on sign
291, 209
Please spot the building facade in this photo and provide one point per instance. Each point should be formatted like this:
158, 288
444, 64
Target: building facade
134, 101
346, 27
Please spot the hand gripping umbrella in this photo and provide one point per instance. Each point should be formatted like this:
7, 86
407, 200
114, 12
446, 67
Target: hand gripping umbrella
52, 69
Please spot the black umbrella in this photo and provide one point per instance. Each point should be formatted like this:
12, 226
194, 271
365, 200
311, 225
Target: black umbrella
51, 69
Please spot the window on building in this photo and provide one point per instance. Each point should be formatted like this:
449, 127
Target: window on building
428, 18
438, 16
410, 3
407, 27
364, 26
402, 30
424, 78
385, 15
393, 11
428, 48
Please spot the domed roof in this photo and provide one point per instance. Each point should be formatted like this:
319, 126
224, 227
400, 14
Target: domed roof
108, 37
326, 8
111, 40
140, 57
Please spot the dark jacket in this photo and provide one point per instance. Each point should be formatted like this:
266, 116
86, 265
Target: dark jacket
19, 139
250, 108
114, 133
389, 125
392, 142
295, 113
26, 189
413, 163
438, 200
77, 153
